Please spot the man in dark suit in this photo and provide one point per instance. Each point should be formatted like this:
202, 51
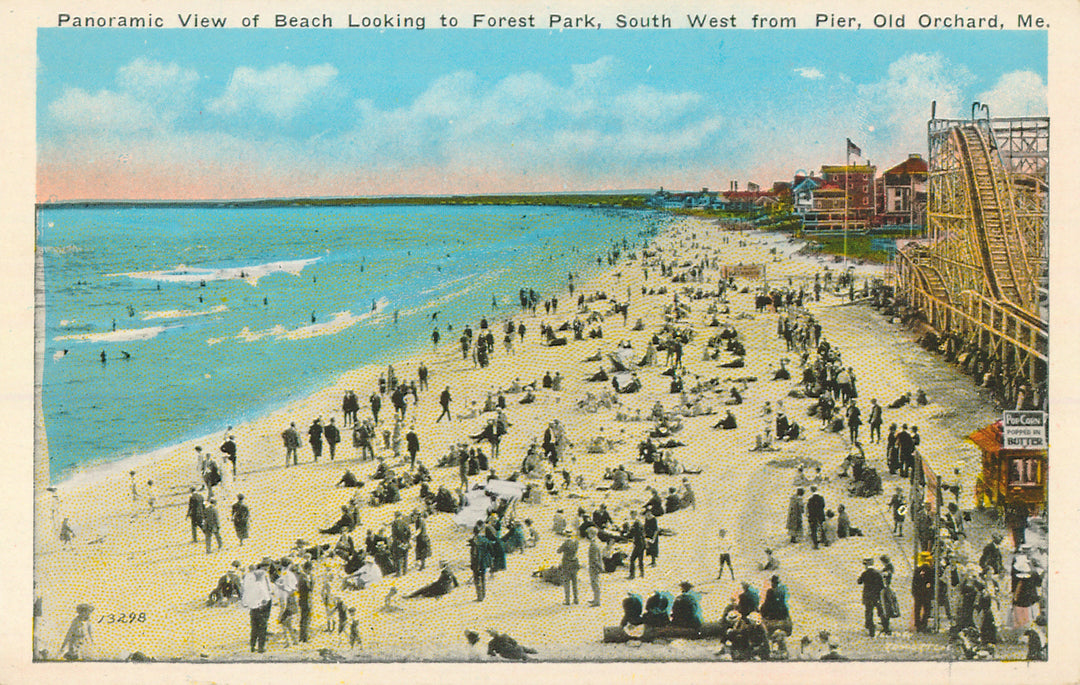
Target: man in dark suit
815, 516
229, 448
412, 444
195, 513
873, 584
637, 537
905, 447
875, 421
211, 524
315, 434
401, 537
332, 436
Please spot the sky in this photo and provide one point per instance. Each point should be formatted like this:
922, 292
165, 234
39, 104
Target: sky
173, 114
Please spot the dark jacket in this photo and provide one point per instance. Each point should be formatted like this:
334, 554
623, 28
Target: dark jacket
872, 583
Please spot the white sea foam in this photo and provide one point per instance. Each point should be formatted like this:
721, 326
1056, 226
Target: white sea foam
340, 322
250, 274
247, 335
122, 335
181, 313
440, 301
452, 281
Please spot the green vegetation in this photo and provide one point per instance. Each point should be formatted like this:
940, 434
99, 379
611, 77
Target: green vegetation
874, 247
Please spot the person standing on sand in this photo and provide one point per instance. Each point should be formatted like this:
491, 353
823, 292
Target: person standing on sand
412, 444
291, 438
333, 437
637, 537
596, 564
478, 561
304, 586
200, 463
79, 636
349, 406
240, 516
211, 524
854, 420
875, 421
287, 584
376, 405
873, 584
568, 567
401, 539
229, 448
444, 400
463, 468
795, 516
315, 435
725, 555
815, 516
195, 513
651, 529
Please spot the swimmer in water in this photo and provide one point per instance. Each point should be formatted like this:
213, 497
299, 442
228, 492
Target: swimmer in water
124, 355
313, 316
103, 356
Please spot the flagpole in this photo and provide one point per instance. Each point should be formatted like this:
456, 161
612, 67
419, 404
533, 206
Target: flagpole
847, 155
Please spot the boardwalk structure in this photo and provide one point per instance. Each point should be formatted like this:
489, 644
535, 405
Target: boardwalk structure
982, 274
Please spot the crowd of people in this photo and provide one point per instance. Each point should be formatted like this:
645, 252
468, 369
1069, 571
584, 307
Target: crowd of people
492, 493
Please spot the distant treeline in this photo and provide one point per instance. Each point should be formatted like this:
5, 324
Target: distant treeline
625, 200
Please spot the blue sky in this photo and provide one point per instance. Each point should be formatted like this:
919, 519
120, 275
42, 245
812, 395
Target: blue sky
176, 114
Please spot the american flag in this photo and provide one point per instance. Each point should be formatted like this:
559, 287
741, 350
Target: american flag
853, 149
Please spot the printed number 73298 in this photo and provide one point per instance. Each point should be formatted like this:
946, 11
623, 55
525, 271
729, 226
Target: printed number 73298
123, 618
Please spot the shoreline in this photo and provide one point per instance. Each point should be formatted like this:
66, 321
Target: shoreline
411, 353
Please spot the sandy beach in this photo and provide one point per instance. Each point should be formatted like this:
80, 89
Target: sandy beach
128, 562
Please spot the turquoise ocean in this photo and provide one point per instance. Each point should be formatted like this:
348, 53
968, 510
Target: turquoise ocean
210, 316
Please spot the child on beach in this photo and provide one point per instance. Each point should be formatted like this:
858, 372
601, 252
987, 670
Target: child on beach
354, 629
79, 636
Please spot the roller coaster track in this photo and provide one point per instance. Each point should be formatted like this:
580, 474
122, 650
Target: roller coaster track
997, 237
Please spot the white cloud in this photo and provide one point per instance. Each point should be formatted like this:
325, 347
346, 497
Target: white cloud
811, 73
892, 113
1016, 94
585, 74
102, 112
281, 91
156, 81
149, 96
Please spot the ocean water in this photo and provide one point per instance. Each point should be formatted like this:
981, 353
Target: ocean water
227, 313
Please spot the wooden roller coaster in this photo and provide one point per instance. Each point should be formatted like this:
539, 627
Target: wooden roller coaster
982, 273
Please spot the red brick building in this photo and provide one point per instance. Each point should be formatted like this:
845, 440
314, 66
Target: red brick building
858, 182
